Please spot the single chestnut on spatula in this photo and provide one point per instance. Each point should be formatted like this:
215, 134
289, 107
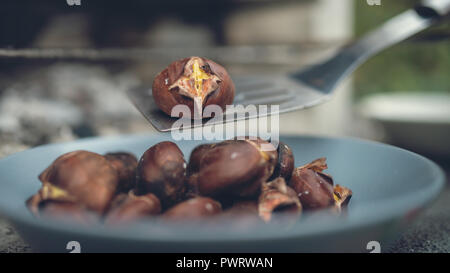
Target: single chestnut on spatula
195, 82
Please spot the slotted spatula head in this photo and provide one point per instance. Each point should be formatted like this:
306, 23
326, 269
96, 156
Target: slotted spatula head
283, 91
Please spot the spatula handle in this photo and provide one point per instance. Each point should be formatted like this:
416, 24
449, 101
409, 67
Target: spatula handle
327, 75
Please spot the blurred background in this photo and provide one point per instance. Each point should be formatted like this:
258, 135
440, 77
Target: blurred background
64, 69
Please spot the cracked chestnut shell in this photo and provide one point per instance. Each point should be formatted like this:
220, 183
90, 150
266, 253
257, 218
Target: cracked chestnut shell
162, 170
342, 196
275, 197
131, 208
193, 209
285, 164
193, 81
314, 188
125, 165
80, 177
235, 168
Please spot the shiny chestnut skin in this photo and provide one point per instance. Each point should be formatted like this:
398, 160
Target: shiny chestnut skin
267, 151
285, 164
125, 165
234, 168
131, 208
190, 81
193, 209
193, 167
83, 177
196, 156
162, 171
314, 188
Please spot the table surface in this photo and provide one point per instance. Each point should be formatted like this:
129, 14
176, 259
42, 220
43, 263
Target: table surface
430, 233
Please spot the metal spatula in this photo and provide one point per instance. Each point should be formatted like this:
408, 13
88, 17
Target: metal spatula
315, 84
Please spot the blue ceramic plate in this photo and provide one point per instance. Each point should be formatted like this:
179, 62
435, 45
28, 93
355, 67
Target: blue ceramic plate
390, 187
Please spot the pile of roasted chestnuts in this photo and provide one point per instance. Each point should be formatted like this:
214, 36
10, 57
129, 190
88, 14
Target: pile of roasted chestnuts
233, 179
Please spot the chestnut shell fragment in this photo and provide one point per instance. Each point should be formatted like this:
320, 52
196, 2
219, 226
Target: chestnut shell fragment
208, 83
276, 196
342, 196
162, 170
285, 164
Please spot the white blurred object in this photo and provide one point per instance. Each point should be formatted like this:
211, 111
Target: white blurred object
410, 107
415, 120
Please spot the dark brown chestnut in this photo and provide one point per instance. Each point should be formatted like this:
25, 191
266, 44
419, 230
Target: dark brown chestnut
235, 168
285, 164
162, 171
196, 156
193, 209
276, 196
81, 177
314, 188
193, 168
125, 165
131, 208
193, 81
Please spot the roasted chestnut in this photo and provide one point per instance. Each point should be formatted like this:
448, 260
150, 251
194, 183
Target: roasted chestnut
193, 209
314, 188
130, 208
82, 177
276, 196
125, 165
162, 171
285, 164
193, 167
235, 168
196, 156
193, 81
